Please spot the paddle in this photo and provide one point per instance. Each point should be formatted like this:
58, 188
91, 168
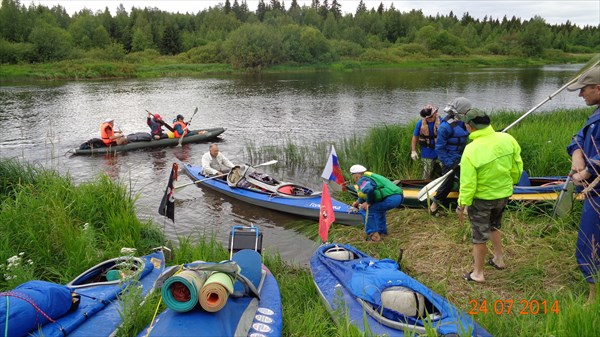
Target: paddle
186, 127
564, 203
425, 192
432, 185
271, 162
161, 122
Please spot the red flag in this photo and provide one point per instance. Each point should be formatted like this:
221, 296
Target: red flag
167, 204
326, 216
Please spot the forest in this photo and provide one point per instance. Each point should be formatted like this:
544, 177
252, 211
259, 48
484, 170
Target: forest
276, 34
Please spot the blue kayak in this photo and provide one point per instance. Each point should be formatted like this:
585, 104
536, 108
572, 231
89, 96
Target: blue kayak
305, 204
379, 298
86, 306
253, 309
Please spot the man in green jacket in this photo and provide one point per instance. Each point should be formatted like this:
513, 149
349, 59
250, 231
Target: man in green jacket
490, 165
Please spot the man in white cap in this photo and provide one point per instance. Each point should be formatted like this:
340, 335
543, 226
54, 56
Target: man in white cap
450, 143
376, 195
585, 153
109, 136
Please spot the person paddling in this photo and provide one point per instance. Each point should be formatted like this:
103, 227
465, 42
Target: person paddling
109, 136
180, 127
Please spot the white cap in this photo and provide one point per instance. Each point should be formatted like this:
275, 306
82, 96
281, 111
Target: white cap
357, 169
108, 120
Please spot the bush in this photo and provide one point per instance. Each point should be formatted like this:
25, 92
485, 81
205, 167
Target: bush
11, 52
343, 48
142, 56
212, 52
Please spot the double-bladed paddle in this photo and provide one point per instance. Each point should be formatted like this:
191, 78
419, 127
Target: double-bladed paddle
271, 162
186, 127
435, 184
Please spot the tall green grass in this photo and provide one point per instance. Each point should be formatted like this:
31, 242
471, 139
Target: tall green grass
63, 228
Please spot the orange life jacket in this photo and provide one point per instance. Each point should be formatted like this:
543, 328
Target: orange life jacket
177, 134
106, 132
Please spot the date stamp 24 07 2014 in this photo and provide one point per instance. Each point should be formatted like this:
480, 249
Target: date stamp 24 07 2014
509, 306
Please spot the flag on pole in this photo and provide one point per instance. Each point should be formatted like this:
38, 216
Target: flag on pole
167, 204
333, 171
326, 216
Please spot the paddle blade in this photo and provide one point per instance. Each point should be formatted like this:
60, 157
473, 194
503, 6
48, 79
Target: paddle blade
564, 203
433, 186
271, 162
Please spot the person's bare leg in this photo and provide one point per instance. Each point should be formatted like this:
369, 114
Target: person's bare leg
479, 251
496, 238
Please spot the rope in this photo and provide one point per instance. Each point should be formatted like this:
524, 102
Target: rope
7, 311
154, 317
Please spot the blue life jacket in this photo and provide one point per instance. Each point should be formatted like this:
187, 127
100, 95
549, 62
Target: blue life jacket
459, 138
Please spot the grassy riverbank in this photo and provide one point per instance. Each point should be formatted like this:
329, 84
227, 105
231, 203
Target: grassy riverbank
385, 149
151, 65
64, 229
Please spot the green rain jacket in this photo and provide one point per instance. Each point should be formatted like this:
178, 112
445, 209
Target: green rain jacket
490, 165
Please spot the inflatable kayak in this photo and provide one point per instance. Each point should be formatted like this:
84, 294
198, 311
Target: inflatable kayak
280, 196
239, 297
195, 136
86, 306
382, 300
537, 190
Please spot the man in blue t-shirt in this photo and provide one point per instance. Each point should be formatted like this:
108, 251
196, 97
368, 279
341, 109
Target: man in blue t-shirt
425, 134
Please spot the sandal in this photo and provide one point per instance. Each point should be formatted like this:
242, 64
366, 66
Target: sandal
491, 262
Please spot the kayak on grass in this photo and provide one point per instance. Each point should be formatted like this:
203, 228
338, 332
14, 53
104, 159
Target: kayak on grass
262, 190
380, 299
140, 141
86, 306
238, 297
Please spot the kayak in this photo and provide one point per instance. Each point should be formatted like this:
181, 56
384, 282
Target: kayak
253, 308
193, 137
264, 191
379, 299
86, 306
528, 190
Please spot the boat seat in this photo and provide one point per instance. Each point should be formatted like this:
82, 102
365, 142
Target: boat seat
524, 180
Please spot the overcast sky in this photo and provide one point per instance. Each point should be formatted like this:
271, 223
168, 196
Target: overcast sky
579, 12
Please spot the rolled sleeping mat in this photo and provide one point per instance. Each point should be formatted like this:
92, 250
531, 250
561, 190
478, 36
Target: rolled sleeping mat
180, 292
215, 292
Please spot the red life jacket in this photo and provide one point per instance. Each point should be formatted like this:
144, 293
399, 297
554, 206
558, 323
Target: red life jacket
176, 133
106, 132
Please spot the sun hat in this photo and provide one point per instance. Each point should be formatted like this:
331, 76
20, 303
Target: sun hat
478, 119
428, 110
357, 169
157, 116
590, 77
458, 106
109, 120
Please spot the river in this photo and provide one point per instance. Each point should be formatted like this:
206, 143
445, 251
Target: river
41, 122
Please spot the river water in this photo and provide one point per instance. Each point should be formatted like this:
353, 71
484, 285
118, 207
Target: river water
41, 122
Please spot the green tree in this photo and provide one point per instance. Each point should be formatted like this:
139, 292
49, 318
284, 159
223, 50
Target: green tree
100, 37
171, 40
50, 43
535, 37
11, 21
254, 46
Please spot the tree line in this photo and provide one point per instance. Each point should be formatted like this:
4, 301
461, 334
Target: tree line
275, 34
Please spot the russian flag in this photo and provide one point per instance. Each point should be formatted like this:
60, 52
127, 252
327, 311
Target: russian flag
332, 170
